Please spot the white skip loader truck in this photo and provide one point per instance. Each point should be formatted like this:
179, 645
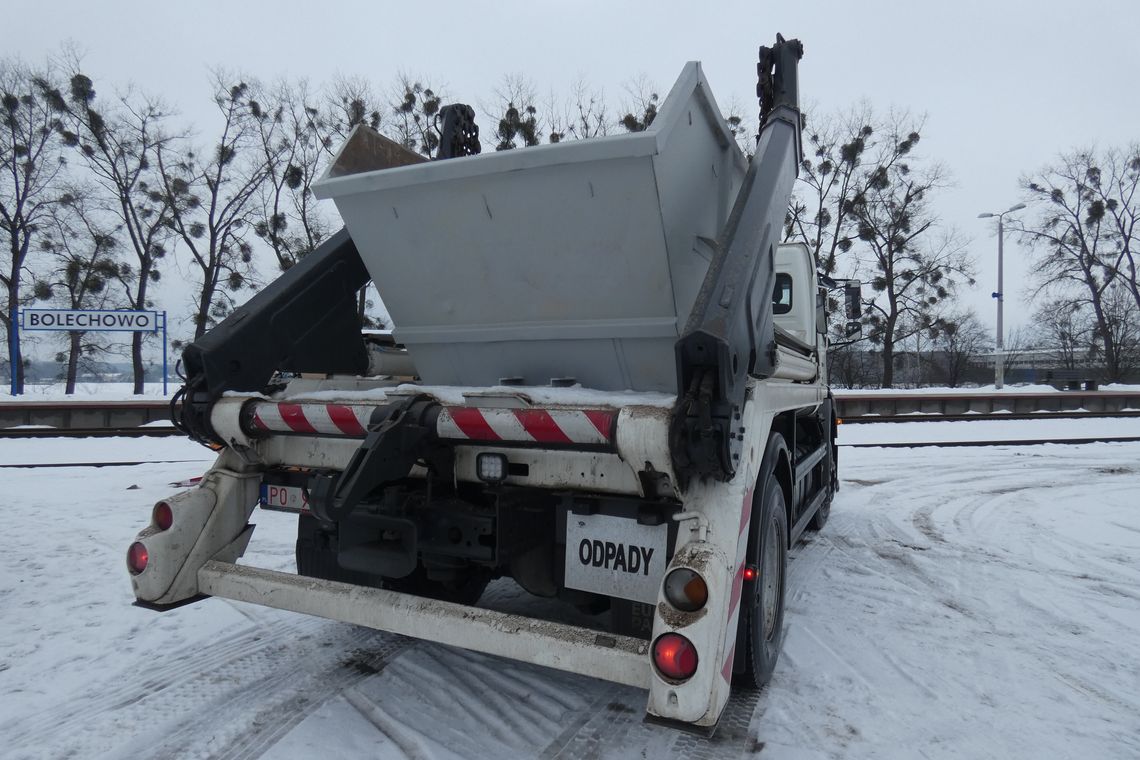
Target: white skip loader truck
606, 381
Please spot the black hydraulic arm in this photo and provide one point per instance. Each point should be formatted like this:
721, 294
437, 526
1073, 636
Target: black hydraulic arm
730, 334
402, 434
304, 321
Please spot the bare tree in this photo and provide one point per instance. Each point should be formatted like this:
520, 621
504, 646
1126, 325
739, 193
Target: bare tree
118, 145
30, 163
414, 109
580, 116
836, 157
1016, 345
1113, 182
83, 245
291, 131
959, 338
745, 128
591, 114
211, 199
850, 366
349, 101
1065, 330
640, 106
1077, 241
518, 125
912, 265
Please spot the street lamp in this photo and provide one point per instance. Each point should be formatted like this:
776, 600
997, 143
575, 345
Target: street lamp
999, 364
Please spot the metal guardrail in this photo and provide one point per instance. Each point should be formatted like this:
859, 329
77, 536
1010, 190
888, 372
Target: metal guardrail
853, 404
89, 415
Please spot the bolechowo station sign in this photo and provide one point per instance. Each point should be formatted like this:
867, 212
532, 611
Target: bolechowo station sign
95, 320
76, 320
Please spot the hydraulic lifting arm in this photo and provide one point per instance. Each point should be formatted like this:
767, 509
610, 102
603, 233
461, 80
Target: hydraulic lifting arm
304, 321
730, 334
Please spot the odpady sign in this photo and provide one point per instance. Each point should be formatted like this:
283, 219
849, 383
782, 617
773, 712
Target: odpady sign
629, 558
615, 556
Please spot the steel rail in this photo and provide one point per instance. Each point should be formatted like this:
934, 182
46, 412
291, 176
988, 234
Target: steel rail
978, 416
110, 432
1013, 442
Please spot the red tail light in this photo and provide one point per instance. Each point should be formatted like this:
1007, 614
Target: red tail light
137, 557
675, 656
750, 573
163, 516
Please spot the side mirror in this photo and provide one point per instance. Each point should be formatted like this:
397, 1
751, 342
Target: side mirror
853, 328
853, 295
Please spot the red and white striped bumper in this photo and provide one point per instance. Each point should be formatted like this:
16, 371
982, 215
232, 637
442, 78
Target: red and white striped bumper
560, 427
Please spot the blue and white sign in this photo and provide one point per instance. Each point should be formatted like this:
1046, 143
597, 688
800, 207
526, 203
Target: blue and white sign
90, 319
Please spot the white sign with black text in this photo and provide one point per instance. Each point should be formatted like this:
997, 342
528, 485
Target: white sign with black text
79, 320
615, 556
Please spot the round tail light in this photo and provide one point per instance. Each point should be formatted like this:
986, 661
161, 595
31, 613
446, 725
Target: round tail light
686, 590
137, 557
675, 656
163, 516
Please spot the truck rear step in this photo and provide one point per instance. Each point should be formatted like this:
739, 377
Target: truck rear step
621, 659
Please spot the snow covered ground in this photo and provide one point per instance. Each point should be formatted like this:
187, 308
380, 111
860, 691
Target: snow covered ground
152, 391
961, 603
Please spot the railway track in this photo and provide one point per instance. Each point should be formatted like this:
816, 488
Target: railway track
100, 432
980, 416
976, 444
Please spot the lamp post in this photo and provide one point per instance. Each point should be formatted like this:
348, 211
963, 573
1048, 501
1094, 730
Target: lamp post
999, 363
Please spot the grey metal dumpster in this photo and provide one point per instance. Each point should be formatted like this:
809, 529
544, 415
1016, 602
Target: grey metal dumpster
578, 260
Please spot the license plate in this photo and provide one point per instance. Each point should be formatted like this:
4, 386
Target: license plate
284, 498
615, 556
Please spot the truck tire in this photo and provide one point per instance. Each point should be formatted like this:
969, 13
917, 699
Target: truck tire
316, 559
466, 590
762, 600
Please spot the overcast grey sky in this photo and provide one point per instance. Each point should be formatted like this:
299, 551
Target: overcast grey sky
1005, 84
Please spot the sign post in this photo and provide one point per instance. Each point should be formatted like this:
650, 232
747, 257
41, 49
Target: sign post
95, 320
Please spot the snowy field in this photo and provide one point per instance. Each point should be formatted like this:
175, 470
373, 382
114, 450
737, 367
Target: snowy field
961, 603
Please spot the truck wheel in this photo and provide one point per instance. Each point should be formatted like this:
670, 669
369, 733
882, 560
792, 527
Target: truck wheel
819, 519
316, 559
762, 600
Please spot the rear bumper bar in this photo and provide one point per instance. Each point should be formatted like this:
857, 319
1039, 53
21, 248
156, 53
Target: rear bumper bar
621, 659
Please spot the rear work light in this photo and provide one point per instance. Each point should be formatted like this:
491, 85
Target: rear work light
686, 590
163, 516
491, 468
137, 557
675, 657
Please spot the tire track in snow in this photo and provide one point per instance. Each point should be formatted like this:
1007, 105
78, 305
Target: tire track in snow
408, 743
175, 668
285, 686
274, 721
248, 692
